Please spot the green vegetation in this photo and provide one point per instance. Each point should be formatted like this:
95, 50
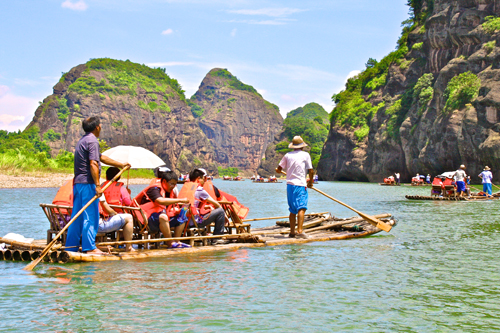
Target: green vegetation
233, 81
353, 109
307, 122
377, 82
63, 109
362, 132
461, 89
29, 141
491, 24
309, 111
164, 107
229, 171
119, 124
26, 152
423, 91
196, 110
418, 46
490, 46
52, 135
124, 77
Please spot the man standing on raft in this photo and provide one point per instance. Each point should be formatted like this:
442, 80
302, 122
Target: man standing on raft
296, 164
86, 185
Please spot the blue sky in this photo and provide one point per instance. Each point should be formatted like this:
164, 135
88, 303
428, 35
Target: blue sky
292, 52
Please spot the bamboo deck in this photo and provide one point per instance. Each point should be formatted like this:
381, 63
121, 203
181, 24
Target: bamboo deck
319, 227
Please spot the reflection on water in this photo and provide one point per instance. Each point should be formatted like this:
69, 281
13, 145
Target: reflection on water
436, 271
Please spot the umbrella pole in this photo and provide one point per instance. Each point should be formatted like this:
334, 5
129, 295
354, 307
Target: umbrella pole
128, 177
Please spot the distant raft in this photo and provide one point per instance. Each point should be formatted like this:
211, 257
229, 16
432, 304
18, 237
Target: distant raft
436, 198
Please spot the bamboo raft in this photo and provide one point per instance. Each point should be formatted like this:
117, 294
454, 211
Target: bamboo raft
320, 227
436, 198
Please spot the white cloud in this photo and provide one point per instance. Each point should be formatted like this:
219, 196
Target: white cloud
352, 74
167, 32
15, 111
79, 5
273, 12
233, 32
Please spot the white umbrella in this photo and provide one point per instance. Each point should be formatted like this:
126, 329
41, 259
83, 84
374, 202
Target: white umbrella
448, 174
137, 157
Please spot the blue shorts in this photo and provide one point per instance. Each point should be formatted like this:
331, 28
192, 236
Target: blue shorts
487, 188
460, 186
154, 222
112, 223
297, 198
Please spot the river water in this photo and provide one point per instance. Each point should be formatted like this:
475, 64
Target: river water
436, 271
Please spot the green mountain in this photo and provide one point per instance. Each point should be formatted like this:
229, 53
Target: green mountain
311, 123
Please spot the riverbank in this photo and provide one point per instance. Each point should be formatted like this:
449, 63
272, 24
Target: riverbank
34, 180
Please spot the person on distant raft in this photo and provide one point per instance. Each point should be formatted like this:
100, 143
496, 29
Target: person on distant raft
428, 179
206, 213
86, 185
460, 177
486, 177
397, 178
296, 164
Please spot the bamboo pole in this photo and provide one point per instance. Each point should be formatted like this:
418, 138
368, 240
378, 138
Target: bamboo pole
340, 223
35, 262
63, 257
35, 254
376, 222
28, 246
280, 217
7, 255
53, 256
25, 255
16, 255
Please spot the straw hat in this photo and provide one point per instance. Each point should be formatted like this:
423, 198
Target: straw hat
462, 166
297, 142
487, 168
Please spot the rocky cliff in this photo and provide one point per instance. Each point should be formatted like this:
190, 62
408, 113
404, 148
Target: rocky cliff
143, 106
237, 121
427, 107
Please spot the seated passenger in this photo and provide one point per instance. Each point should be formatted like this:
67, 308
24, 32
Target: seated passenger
207, 215
158, 200
116, 194
110, 221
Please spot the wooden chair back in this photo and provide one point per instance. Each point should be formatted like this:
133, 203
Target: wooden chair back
58, 216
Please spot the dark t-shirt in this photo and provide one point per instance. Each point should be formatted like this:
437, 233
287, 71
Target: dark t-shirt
86, 149
153, 193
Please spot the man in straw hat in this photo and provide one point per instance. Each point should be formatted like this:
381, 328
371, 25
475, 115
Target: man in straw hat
486, 177
460, 177
296, 164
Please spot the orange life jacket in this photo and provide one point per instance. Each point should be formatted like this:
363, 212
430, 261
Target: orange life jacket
113, 193
151, 207
187, 191
64, 197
